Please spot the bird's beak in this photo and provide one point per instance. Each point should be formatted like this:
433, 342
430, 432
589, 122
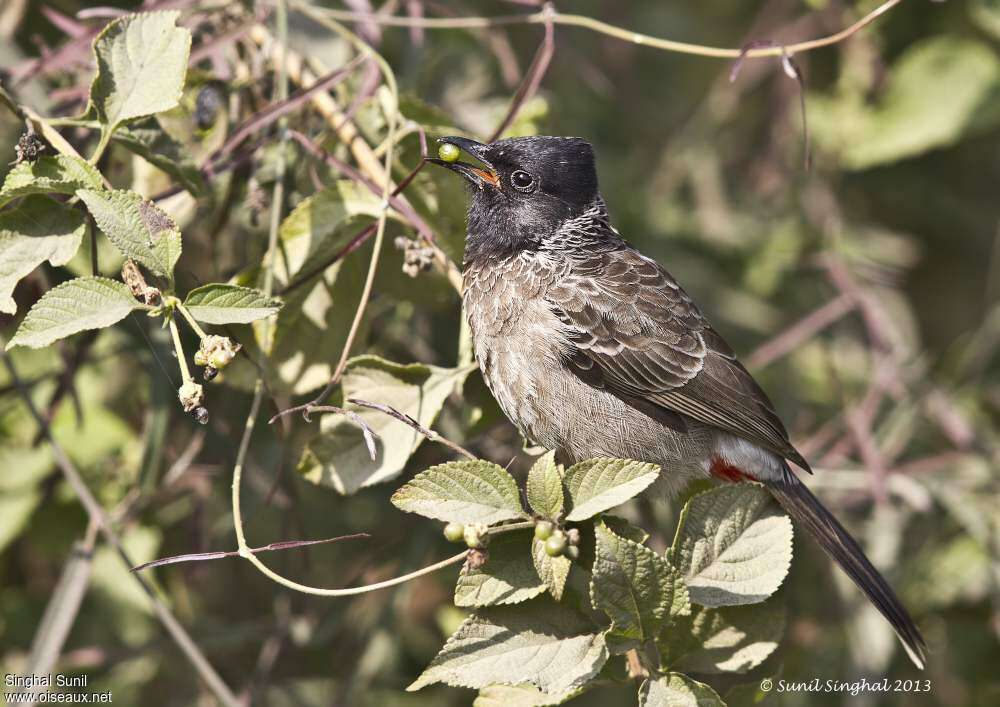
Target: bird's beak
477, 175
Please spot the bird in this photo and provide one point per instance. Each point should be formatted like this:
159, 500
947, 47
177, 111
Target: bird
592, 349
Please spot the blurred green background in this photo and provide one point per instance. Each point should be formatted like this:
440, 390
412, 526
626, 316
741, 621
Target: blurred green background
887, 248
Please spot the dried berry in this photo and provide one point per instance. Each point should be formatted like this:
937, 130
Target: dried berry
29, 147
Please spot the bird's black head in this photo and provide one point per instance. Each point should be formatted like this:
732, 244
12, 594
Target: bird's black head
525, 189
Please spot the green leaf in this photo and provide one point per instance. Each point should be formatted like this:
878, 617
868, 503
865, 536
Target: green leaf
462, 492
228, 304
39, 229
553, 571
74, 306
141, 64
729, 639
634, 586
541, 643
520, 696
676, 690
151, 142
545, 492
508, 577
938, 89
732, 545
596, 485
138, 228
61, 174
338, 456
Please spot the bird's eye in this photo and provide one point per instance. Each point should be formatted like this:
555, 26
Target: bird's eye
522, 181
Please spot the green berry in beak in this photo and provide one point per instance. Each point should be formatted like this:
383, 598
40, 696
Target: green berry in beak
449, 152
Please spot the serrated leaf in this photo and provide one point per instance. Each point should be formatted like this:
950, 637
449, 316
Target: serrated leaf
728, 639
553, 571
542, 643
732, 546
74, 306
60, 174
139, 229
520, 696
677, 690
508, 577
634, 586
462, 492
338, 456
596, 485
217, 303
545, 492
39, 229
141, 64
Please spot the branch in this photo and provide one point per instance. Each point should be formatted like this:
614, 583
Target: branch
801, 331
600, 27
406, 419
369, 434
533, 77
281, 545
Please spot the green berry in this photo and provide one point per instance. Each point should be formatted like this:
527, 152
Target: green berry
199, 358
543, 529
555, 545
449, 152
573, 552
455, 532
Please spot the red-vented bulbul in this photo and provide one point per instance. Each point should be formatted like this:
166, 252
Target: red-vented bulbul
593, 350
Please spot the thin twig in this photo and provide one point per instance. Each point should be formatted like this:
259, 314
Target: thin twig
400, 205
600, 27
281, 545
404, 418
369, 434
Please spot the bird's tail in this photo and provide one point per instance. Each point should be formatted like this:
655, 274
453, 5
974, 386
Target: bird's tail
809, 513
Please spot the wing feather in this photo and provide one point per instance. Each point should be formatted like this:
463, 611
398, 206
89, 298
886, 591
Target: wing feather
633, 331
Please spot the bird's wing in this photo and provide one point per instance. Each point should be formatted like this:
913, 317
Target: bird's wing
633, 331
